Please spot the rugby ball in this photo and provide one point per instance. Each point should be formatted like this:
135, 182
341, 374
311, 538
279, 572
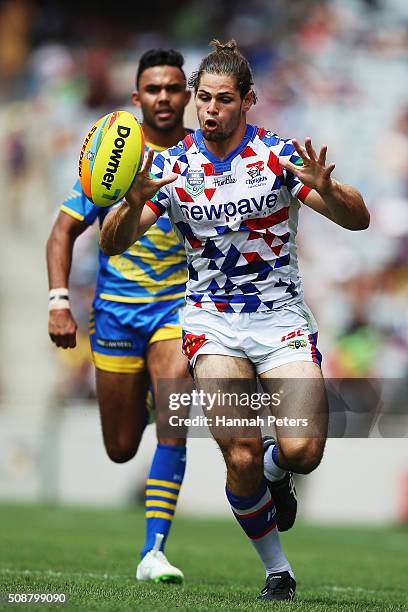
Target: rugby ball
111, 156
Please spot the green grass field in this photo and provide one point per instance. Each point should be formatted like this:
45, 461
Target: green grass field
91, 555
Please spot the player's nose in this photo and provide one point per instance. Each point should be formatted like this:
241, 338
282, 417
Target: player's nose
212, 107
163, 95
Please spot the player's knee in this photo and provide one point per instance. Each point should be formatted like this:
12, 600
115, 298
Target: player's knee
120, 453
246, 458
304, 456
171, 441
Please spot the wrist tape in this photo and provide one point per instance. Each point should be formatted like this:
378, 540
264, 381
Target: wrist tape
58, 299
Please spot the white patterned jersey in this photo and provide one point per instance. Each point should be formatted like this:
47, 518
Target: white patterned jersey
238, 220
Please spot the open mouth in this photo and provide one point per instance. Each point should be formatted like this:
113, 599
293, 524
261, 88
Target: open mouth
210, 124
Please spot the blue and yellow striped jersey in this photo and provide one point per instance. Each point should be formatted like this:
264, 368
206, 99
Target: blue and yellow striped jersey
154, 268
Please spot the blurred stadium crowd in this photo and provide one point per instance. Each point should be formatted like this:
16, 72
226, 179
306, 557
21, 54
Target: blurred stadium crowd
334, 70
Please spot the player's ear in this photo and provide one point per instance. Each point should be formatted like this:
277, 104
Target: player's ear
248, 101
187, 97
135, 98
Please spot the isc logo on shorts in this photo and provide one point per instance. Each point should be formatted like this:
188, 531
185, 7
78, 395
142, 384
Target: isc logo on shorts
293, 334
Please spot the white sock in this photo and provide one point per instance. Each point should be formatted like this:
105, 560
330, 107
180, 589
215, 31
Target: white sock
273, 558
256, 515
272, 471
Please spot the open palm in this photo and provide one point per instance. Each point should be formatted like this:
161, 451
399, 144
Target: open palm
314, 173
146, 185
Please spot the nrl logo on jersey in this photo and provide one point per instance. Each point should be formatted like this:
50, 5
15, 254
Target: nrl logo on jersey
195, 182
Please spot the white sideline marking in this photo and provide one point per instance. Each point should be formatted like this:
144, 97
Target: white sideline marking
53, 574
351, 589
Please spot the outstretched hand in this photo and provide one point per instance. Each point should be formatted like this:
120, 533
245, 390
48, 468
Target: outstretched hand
146, 186
314, 173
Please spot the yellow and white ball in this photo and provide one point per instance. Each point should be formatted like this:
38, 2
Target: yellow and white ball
111, 156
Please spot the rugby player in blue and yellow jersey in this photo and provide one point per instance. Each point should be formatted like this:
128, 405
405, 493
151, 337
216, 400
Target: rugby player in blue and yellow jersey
135, 331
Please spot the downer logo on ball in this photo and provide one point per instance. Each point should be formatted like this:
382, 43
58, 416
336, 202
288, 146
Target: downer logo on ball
116, 155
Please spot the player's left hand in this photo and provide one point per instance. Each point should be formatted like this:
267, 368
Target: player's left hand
314, 173
146, 185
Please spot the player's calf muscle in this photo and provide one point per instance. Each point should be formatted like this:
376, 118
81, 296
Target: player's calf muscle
121, 437
244, 461
119, 454
121, 400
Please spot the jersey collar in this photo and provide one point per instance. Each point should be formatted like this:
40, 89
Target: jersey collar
224, 165
158, 148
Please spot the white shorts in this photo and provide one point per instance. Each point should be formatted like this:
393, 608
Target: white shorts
268, 339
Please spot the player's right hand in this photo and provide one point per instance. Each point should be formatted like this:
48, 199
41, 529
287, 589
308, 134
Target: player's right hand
62, 328
146, 186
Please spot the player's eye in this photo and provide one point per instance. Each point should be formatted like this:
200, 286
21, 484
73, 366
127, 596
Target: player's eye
174, 88
152, 89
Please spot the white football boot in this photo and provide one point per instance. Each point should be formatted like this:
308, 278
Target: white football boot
155, 567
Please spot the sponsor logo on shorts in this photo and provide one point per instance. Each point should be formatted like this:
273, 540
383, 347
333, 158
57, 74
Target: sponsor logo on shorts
293, 334
114, 344
296, 344
195, 182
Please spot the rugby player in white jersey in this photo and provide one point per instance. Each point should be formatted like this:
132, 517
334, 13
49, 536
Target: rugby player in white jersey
233, 192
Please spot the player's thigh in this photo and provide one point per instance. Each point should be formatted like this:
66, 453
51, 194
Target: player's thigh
164, 359
168, 370
122, 405
227, 384
222, 367
225, 380
118, 347
300, 407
